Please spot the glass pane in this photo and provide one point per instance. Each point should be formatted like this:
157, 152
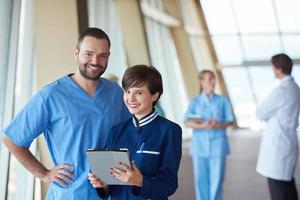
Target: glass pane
12, 182
23, 90
288, 15
296, 73
5, 20
255, 16
195, 45
291, 44
219, 16
228, 49
263, 80
240, 93
104, 14
261, 47
160, 42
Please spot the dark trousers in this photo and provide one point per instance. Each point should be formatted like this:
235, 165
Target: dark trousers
282, 190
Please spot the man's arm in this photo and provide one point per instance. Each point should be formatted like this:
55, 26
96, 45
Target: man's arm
57, 174
270, 106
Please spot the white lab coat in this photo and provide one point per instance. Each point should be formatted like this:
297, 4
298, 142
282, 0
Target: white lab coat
279, 145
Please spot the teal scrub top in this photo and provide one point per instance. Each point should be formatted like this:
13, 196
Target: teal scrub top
209, 143
72, 122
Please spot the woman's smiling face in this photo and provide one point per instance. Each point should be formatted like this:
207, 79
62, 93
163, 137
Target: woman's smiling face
139, 100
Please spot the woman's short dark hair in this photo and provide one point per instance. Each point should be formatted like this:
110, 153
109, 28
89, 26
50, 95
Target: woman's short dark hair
283, 62
139, 75
92, 32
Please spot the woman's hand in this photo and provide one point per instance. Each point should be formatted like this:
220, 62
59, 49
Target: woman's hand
128, 175
209, 124
96, 182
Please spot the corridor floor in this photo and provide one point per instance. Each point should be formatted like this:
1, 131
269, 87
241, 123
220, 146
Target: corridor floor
241, 181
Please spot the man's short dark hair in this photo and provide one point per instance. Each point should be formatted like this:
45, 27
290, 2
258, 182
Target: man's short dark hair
283, 62
92, 32
139, 75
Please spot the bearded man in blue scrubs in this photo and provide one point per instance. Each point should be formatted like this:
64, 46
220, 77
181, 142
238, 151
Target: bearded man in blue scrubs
74, 113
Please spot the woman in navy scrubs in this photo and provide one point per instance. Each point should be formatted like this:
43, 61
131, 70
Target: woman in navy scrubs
154, 142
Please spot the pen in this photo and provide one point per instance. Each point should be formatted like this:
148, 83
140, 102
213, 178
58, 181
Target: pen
142, 147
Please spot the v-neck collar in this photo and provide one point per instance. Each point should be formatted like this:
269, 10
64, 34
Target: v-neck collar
67, 79
207, 98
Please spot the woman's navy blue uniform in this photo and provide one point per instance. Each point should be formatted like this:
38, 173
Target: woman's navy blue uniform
154, 144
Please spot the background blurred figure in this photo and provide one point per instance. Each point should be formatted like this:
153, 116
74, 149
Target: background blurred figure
279, 146
209, 115
112, 77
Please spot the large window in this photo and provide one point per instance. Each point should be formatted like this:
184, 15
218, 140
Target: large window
16, 88
163, 56
103, 14
162, 51
6, 8
245, 35
5, 24
23, 91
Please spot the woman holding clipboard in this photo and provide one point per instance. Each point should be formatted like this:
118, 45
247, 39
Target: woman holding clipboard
154, 143
209, 114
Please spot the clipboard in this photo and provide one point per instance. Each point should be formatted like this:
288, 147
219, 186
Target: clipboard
101, 160
195, 118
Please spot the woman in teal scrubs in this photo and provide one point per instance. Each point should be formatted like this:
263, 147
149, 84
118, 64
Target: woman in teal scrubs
154, 143
209, 115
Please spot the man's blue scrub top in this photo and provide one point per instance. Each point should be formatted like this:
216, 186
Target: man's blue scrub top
72, 122
209, 143
155, 146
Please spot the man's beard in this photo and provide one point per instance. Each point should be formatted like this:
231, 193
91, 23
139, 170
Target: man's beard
90, 76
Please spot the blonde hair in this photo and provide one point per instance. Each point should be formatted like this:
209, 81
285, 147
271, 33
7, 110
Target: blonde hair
202, 74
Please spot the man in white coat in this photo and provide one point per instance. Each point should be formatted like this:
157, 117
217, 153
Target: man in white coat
279, 145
